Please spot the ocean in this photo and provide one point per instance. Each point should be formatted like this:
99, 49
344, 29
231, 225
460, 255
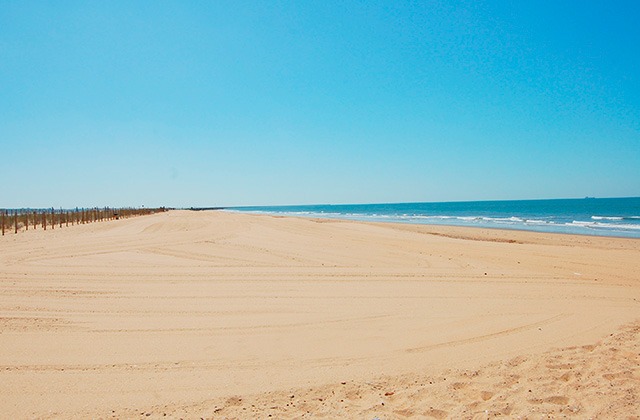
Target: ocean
588, 216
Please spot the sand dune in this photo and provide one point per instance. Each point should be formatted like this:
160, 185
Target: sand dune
228, 315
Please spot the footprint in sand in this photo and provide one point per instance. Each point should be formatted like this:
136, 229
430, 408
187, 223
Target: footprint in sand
459, 385
557, 399
437, 414
404, 413
566, 376
486, 395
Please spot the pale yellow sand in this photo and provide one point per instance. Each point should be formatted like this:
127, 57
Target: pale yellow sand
226, 315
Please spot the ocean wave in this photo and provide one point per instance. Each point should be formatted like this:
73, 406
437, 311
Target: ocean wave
599, 225
512, 219
615, 217
596, 222
539, 222
606, 217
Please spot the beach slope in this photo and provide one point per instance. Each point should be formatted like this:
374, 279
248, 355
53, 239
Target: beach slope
219, 314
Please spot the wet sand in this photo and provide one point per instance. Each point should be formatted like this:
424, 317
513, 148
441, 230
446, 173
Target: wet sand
213, 314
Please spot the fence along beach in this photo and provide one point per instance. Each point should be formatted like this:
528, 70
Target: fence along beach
22, 219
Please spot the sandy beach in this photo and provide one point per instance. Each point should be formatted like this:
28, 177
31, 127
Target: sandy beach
226, 315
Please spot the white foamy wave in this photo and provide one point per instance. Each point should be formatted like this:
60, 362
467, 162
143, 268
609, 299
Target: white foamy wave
538, 222
607, 218
498, 220
599, 225
512, 219
620, 227
436, 217
580, 223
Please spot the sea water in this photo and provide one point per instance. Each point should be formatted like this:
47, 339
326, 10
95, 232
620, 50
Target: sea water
588, 216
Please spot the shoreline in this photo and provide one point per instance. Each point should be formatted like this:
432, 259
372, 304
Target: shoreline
363, 220
508, 235
183, 311
609, 217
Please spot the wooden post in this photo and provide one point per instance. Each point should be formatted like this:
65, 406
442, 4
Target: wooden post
3, 214
60, 218
66, 218
26, 221
53, 219
44, 220
15, 221
35, 221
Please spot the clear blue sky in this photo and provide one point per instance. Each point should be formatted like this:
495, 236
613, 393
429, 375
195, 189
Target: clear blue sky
186, 103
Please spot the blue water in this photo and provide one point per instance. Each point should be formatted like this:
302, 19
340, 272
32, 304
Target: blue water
588, 216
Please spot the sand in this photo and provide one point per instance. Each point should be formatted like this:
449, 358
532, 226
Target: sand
214, 314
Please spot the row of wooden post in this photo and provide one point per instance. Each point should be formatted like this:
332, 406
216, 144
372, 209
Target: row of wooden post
16, 219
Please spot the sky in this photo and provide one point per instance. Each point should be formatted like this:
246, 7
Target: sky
227, 103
